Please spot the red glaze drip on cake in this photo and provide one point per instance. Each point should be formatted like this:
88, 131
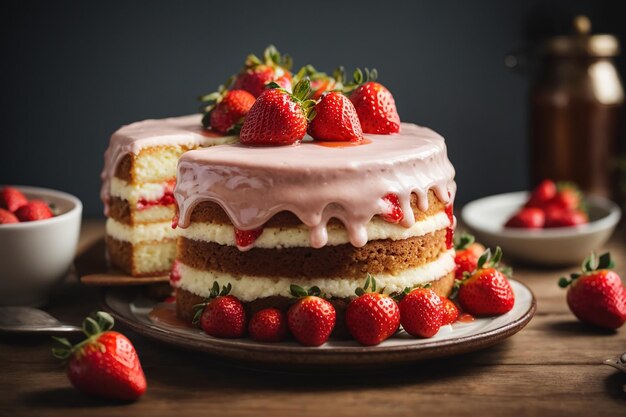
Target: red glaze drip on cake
316, 183
132, 138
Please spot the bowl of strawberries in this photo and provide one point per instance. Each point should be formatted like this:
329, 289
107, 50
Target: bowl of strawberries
555, 224
38, 235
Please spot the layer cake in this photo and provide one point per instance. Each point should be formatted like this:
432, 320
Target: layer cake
137, 184
314, 214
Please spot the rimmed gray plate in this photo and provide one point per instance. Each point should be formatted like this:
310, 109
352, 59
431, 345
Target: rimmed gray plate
127, 305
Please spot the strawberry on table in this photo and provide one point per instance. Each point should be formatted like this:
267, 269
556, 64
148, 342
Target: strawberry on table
268, 325
221, 315
487, 291
372, 317
335, 119
257, 74
105, 364
33, 210
11, 199
310, 319
596, 295
278, 117
374, 104
6, 217
421, 312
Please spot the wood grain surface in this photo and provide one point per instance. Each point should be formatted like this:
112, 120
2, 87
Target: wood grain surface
552, 367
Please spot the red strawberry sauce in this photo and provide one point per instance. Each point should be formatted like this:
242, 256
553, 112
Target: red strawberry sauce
342, 144
450, 230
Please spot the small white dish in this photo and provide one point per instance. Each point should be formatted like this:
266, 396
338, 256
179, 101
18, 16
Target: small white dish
485, 218
34, 256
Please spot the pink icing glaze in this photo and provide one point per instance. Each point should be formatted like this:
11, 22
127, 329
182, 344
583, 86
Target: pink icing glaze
317, 183
132, 138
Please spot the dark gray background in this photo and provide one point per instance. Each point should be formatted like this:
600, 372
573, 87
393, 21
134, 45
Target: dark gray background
73, 72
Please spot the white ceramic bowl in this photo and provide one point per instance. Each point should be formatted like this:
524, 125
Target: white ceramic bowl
485, 218
34, 256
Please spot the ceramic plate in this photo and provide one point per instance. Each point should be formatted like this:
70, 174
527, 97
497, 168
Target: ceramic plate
130, 307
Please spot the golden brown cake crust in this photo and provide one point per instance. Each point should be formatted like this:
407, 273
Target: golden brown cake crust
121, 256
185, 300
376, 257
211, 212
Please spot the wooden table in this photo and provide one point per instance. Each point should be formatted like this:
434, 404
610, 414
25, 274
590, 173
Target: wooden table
552, 367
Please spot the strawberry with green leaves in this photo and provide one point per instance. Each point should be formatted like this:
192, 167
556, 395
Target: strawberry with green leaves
221, 315
334, 118
421, 312
257, 73
467, 252
374, 104
278, 117
486, 291
311, 318
372, 317
105, 364
320, 81
225, 110
596, 295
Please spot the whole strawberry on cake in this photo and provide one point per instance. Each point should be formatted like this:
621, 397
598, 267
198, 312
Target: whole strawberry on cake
314, 186
361, 193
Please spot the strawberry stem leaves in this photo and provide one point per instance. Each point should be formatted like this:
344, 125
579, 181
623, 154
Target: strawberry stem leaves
214, 293
463, 241
590, 264
92, 326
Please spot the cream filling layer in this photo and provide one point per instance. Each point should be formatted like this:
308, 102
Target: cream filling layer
151, 232
249, 288
132, 193
273, 237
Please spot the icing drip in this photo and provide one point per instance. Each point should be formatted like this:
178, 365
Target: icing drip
132, 138
317, 183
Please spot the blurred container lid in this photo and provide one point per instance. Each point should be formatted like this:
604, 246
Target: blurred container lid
582, 43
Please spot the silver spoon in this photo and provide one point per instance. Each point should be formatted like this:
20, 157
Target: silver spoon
32, 320
617, 363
